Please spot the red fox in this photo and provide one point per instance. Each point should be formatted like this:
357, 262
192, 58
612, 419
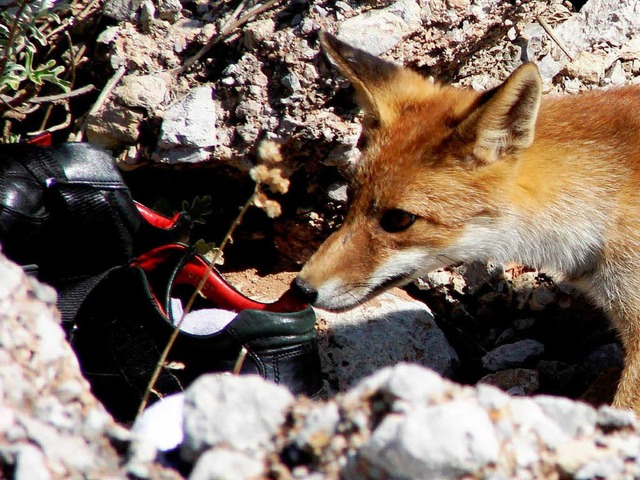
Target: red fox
451, 174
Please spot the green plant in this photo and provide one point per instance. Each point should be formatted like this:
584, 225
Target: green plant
24, 29
34, 45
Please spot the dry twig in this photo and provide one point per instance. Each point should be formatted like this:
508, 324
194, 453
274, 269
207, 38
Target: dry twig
543, 23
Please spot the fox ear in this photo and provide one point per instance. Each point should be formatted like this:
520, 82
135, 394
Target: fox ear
372, 77
504, 122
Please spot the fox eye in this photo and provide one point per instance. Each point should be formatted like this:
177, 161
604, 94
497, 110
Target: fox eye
396, 220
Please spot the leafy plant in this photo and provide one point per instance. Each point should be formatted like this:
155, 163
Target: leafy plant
24, 29
34, 37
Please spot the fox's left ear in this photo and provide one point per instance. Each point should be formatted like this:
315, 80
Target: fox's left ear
504, 122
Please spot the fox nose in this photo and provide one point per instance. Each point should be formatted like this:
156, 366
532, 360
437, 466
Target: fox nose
303, 290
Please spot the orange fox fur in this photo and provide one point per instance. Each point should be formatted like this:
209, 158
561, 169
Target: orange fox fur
450, 174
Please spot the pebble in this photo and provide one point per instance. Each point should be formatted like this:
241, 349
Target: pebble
190, 121
512, 355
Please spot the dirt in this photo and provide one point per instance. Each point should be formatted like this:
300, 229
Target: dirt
263, 288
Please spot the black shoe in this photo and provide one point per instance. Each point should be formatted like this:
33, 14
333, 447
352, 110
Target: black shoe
125, 324
66, 215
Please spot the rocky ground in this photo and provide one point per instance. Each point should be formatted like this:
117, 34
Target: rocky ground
183, 91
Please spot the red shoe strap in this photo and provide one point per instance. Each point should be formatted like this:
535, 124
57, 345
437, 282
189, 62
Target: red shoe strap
154, 218
216, 289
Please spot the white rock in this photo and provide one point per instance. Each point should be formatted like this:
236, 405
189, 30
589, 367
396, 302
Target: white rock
30, 464
191, 121
223, 464
319, 426
242, 413
161, 423
573, 418
410, 383
443, 441
379, 30
600, 21
533, 425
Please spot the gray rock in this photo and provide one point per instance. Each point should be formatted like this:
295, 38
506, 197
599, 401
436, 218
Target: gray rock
379, 30
241, 413
114, 127
512, 355
122, 10
365, 339
169, 10
182, 155
443, 441
337, 192
191, 121
604, 357
517, 381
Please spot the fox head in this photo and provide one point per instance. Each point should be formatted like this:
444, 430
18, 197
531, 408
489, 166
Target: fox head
428, 189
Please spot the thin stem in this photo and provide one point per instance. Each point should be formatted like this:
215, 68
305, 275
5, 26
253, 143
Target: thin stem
547, 28
165, 353
113, 81
63, 97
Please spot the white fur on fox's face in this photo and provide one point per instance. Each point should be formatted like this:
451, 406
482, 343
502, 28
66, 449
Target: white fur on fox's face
401, 267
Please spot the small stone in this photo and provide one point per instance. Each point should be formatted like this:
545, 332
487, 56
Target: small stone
145, 91
589, 67
190, 122
541, 296
114, 127
337, 192
512, 355
169, 10
517, 381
